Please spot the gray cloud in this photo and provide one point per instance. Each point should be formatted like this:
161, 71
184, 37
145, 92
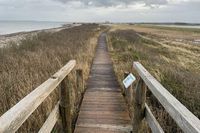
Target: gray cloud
111, 3
75, 10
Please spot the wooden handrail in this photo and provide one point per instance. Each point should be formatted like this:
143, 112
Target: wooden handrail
15, 117
151, 120
187, 121
51, 120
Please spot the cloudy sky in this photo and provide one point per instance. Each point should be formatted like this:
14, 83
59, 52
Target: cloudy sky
101, 10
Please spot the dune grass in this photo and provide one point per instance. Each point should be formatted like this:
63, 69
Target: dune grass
24, 67
181, 29
176, 67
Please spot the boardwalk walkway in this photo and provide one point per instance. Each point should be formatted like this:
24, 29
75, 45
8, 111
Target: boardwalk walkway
103, 109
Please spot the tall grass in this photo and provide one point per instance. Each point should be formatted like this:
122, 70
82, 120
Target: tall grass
165, 64
182, 29
24, 67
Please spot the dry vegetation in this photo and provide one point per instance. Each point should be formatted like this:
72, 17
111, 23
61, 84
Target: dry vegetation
24, 67
176, 66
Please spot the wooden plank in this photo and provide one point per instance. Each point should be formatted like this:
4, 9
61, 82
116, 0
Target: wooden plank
104, 105
103, 115
110, 127
151, 120
15, 117
80, 129
187, 121
104, 121
51, 120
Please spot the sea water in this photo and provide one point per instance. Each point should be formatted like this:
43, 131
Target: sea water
8, 27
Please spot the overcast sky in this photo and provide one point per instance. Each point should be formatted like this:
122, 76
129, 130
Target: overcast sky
101, 10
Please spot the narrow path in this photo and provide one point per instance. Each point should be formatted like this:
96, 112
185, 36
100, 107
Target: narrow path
103, 109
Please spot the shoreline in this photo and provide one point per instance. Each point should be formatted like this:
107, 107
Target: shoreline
18, 36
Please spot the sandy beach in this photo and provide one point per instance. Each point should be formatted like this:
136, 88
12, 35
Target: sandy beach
17, 37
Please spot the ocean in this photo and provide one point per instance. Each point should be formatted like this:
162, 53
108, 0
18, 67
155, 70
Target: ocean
8, 27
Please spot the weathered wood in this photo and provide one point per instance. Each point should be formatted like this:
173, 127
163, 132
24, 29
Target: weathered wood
15, 117
97, 130
151, 120
79, 81
51, 120
187, 121
103, 108
65, 106
139, 106
106, 127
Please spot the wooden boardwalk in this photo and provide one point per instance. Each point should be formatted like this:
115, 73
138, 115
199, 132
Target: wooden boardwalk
103, 109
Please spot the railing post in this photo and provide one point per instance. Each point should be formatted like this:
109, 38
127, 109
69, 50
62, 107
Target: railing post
128, 92
139, 106
65, 106
79, 81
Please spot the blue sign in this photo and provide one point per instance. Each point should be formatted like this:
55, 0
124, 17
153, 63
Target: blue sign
129, 80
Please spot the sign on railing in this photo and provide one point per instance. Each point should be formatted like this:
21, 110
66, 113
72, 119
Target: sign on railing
129, 80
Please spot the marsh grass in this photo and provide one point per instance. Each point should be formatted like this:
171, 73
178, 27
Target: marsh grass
181, 29
165, 63
25, 66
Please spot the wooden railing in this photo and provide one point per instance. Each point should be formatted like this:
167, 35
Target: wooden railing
188, 122
16, 116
